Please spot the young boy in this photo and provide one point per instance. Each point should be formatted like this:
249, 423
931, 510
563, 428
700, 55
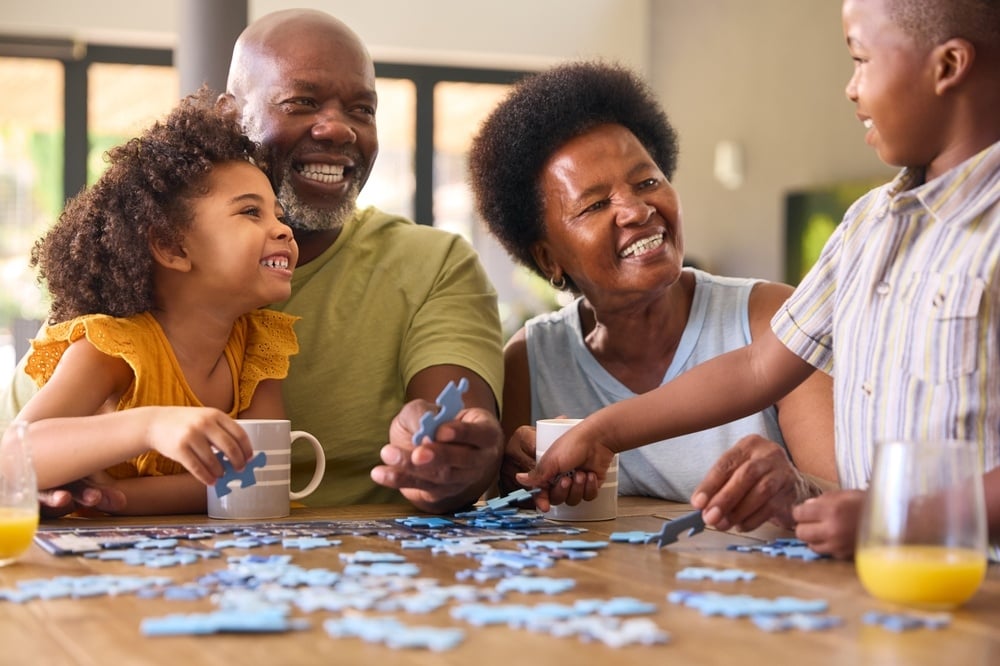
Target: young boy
903, 306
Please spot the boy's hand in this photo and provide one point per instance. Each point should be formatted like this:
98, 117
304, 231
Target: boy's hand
578, 452
571, 488
829, 523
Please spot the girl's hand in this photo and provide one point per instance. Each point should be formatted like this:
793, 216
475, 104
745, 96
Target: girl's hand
192, 435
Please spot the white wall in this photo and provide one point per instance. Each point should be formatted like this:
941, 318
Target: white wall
511, 33
767, 74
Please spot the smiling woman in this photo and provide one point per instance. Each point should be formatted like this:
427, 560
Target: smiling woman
572, 173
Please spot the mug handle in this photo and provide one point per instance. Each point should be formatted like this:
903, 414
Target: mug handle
320, 465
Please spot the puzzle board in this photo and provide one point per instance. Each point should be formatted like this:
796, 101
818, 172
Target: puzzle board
79, 540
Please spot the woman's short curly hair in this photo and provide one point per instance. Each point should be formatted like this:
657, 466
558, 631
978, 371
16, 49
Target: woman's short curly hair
540, 114
96, 259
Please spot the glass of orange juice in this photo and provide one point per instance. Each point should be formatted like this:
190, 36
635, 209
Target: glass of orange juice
18, 494
922, 536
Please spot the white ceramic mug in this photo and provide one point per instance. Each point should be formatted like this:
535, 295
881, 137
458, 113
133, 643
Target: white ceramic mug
602, 507
271, 495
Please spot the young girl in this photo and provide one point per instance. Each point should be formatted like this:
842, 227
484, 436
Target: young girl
155, 342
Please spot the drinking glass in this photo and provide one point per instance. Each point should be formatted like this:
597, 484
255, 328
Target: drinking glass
18, 494
922, 536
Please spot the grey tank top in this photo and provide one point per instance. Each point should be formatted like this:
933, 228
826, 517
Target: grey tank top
567, 380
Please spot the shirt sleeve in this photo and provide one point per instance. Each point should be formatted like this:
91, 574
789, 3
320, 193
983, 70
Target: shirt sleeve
458, 322
804, 323
265, 340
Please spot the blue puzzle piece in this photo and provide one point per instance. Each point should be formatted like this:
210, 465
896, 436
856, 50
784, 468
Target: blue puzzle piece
717, 575
246, 478
900, 622
394, 634
635, 536
450, 402
692, 522
742, 605
790, 548
268, 620
800, 621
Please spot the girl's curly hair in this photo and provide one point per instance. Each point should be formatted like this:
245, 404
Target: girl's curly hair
540, 114
96, 259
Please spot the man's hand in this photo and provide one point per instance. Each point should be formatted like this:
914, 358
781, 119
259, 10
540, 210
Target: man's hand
751, 483
448, 473
95, 492
829, 523
519, 456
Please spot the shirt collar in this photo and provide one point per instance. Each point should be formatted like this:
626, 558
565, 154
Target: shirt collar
960, 194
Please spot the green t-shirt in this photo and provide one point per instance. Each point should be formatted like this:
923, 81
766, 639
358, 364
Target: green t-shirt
388, 299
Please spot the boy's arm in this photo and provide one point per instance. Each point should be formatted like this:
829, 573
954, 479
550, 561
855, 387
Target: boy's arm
725, 388
805, 414
756, 480
728, 387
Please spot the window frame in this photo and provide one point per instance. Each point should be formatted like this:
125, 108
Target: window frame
76, 57
425, 78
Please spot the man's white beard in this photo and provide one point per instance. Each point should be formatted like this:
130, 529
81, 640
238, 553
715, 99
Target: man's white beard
301, 217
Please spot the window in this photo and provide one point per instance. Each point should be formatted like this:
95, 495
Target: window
122, 100
31, 126
66, 104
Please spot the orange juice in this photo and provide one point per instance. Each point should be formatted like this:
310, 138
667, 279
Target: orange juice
931, 576
17, 527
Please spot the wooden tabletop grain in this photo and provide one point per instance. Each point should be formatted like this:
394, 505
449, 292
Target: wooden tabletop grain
104, 631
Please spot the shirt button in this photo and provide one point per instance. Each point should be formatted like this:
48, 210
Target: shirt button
883, 288
867, 388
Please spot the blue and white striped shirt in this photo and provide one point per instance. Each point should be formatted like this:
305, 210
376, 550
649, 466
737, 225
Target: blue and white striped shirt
903, 309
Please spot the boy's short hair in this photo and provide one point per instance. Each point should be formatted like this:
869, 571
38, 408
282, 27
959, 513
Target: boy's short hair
931, 22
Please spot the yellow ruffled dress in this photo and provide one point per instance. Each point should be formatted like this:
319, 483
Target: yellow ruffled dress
259, 347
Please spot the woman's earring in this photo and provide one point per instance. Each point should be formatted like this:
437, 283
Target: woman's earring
559, 284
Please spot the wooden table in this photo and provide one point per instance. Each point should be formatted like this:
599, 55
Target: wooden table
104, 631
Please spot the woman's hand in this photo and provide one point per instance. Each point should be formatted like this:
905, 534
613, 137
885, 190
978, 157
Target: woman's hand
518, 457
751, 483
